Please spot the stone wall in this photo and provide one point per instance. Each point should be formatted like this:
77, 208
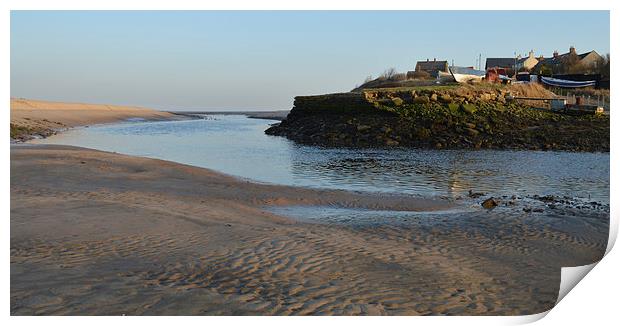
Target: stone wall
440, 117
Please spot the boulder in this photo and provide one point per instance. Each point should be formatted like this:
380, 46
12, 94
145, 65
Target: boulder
472, 132
454, 108
423, 133
363, 128
469, 125
446, 98
391, 142
421, 99
489, 203
397, 101
386, 129
468, 108
485, 97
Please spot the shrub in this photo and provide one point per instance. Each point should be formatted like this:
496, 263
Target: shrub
421, 75
399, 77
389, 73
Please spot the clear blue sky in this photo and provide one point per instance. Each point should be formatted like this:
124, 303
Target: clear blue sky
260, 60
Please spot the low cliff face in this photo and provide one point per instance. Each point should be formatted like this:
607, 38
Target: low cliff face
467, 116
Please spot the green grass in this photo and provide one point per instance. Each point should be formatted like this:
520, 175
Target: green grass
24, 132
20, 131
415, 88
475, 86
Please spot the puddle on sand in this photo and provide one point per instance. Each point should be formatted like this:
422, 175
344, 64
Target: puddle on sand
344, 215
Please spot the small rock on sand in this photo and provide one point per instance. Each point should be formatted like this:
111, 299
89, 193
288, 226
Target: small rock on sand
489, 203
473, 194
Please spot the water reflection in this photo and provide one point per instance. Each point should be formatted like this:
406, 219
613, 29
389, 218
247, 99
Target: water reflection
455, 172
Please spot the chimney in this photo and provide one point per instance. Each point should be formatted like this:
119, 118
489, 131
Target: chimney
434, 59
572, 50
427, 60
531, 54
555, 53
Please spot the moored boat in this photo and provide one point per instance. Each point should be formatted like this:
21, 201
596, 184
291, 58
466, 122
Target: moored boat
566, 83
466, 74
444, 77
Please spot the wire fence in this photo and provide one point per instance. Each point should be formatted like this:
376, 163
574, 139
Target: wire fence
571, 98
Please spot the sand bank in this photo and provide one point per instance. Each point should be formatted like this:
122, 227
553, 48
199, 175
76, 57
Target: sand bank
100, 233
268, 115
45, 117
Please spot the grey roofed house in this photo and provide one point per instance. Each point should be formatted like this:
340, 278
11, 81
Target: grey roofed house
587, 59
432, 66
557, 59
500, 62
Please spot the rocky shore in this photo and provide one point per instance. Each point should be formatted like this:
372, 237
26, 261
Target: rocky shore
459, 116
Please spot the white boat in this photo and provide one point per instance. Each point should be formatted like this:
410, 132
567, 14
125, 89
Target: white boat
444, 77
567, 83
466, 75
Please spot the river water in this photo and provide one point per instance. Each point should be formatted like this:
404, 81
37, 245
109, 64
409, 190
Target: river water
237, 145
519, 245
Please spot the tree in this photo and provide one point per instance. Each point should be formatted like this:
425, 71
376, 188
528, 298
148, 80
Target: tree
570, 64
389, 73
604, 69
545, 70
576, 68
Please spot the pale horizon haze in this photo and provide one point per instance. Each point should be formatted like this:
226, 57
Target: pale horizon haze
260, 60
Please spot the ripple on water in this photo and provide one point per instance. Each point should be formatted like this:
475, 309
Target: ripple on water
237, 145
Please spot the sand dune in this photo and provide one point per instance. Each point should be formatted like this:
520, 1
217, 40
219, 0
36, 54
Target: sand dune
100, 233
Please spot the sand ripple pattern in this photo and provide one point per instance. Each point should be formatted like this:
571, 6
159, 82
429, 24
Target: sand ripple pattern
97, 247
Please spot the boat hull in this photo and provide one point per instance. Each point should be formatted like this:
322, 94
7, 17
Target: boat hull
465, 78
567, 83
466, 74
445, 77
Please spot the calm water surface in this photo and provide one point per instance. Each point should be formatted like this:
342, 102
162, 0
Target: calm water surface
236, 145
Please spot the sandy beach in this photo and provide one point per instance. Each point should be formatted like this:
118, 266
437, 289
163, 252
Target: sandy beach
45, 117
308, 162
97, 233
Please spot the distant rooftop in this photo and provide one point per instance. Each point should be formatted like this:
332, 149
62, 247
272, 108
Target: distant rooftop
431, 66
500, 62
557, 58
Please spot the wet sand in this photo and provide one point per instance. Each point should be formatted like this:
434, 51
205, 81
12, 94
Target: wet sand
97, 233
268, 115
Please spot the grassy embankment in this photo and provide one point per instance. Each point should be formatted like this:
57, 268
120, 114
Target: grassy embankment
452, 116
